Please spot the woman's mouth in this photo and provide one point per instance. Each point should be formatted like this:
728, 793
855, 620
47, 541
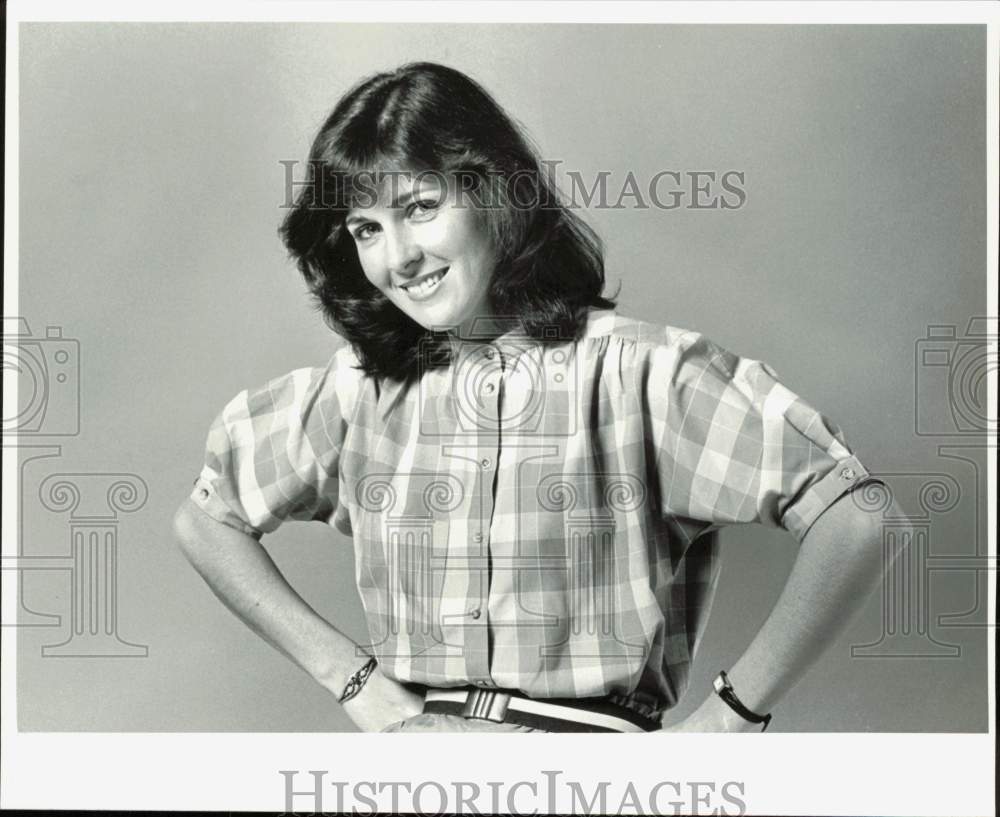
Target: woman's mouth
426, 287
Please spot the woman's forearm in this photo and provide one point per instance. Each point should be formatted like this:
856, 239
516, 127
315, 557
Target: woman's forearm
839, 564
244, 577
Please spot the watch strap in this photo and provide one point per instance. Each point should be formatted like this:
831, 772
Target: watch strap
724, 689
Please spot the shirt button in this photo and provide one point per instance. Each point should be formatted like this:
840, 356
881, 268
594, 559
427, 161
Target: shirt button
478, 537
848, 473
475, 614
490, 353
203, 493
485, 463
490, 388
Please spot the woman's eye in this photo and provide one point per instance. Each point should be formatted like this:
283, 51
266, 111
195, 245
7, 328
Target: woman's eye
423, 208
363, 232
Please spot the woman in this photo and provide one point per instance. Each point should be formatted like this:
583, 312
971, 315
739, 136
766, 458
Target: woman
533, 482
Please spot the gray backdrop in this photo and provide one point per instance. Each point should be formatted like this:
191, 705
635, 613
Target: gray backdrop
150, 196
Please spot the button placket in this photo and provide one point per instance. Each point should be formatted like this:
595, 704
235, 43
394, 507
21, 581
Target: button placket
475, 635
488, 462
492, 374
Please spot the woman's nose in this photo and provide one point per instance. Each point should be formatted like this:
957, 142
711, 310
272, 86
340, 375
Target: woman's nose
402, 252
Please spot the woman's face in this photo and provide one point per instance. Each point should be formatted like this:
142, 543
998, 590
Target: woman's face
424, 246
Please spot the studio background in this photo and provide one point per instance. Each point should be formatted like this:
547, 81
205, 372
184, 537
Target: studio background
150, 194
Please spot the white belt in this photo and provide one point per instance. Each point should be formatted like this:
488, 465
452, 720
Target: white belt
493, 705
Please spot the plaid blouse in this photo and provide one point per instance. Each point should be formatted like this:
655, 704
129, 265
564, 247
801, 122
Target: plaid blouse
536, 516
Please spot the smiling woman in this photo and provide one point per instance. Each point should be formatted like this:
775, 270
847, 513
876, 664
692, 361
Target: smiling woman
483, 207
533, 482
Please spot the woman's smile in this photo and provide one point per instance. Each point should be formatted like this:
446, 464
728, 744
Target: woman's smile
426, 286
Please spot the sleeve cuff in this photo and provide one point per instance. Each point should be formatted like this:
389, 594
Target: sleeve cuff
205, 497
846, 475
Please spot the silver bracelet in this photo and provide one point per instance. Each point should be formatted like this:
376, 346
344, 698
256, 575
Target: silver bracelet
357, 680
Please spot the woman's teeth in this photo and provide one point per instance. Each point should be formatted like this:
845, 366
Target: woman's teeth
425, 286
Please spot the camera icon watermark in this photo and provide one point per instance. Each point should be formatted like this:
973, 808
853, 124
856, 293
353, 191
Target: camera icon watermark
525, 388
48, 381
951, 372
46, 370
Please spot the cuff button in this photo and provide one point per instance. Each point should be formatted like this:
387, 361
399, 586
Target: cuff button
848, 473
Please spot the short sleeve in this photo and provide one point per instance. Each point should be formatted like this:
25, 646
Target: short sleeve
735, 445
273, 452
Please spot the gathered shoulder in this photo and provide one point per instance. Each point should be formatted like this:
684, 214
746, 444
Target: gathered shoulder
308, 390
669, 353
658, 335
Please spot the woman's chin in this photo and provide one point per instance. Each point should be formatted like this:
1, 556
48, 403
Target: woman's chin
441, 319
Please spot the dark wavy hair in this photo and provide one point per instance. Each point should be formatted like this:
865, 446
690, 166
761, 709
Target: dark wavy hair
428, 117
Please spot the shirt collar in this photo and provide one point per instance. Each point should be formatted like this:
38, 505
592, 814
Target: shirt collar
512, 342
507, 334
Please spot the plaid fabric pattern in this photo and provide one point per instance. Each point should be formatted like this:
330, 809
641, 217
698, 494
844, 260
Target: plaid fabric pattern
538, 517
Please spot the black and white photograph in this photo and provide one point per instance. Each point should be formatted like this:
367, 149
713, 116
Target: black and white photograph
616, 373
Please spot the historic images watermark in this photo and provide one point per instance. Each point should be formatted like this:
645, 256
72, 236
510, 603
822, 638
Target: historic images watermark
417, 553
952, 367
35, 428
666, 189
313, 791
415, 547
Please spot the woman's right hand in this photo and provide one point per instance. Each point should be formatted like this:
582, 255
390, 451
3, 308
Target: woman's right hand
381, 702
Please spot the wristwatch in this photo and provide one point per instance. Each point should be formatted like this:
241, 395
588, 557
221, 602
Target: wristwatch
724, 689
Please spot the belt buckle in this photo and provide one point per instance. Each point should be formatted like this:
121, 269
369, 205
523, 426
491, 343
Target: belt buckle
486, 704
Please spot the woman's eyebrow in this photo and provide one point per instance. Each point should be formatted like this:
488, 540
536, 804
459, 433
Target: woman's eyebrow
396, 203
399, 202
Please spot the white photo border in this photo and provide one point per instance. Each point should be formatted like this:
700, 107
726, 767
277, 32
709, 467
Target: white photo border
914, 774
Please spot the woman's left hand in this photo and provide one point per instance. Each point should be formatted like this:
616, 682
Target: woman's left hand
382, 702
